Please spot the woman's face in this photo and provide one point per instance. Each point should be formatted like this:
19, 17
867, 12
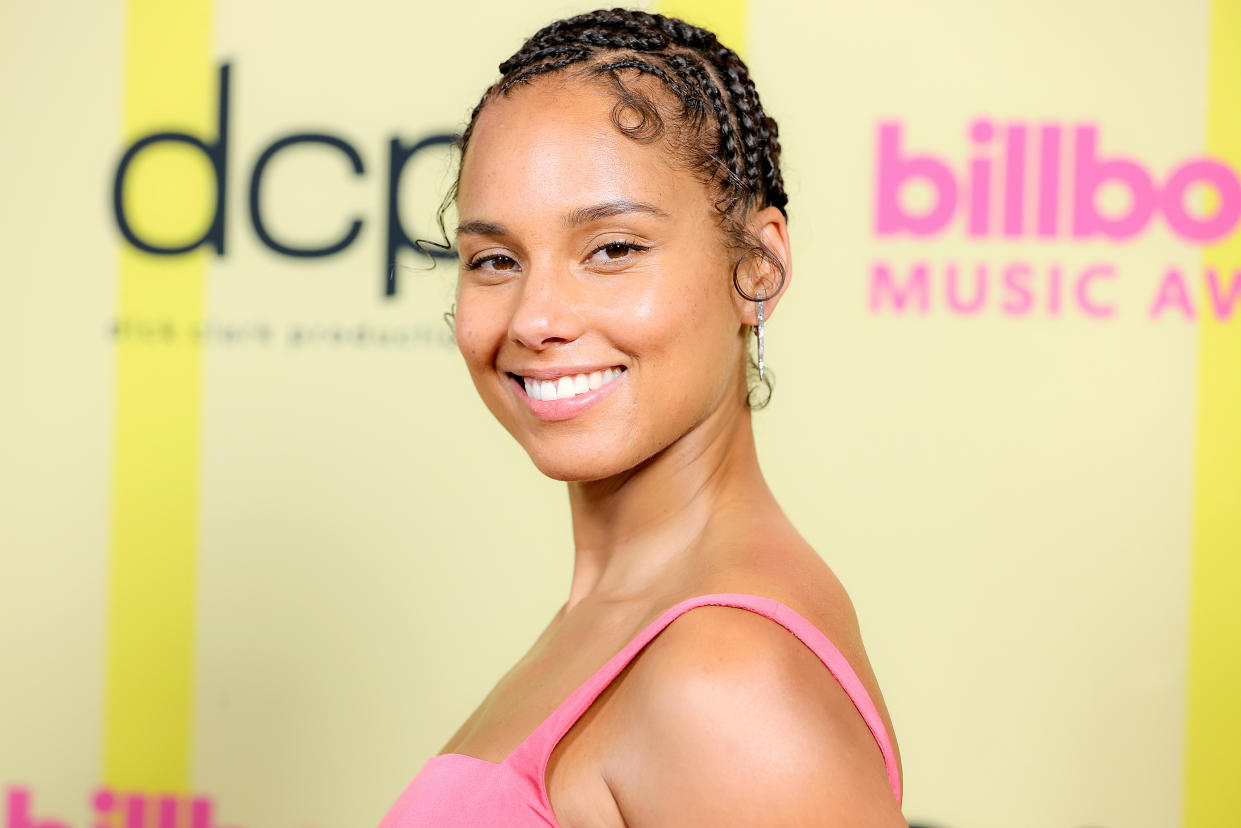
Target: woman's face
595, 307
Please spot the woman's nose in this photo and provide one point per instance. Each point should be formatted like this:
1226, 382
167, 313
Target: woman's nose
546, 311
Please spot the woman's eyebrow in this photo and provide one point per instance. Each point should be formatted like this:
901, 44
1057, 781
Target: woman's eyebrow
481, 228
584, 215
581, 215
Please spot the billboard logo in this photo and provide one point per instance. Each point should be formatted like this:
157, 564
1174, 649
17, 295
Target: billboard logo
1008, 160
129, 810
1045, 182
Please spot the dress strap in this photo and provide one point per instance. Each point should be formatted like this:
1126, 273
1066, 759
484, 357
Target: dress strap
553, 729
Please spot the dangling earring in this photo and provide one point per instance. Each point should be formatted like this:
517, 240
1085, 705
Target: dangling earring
759, 330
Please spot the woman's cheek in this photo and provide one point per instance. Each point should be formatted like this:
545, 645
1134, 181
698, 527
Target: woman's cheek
465, 340
647, 313
475, 328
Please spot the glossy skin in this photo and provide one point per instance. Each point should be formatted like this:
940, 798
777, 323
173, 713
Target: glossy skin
666, 493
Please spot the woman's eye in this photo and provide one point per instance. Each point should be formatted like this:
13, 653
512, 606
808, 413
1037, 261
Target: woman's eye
501, 262
614, 251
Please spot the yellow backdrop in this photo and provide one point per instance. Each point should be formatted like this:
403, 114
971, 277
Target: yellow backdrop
263, 549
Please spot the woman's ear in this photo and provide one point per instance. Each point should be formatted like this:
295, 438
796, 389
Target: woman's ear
758, 274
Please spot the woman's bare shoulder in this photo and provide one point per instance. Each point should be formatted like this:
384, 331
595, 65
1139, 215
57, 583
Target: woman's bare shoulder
794, 574
726, 713
798, 577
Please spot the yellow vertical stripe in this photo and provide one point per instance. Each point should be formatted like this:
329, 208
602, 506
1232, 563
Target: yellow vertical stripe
727, 18
148, 705
1213, 731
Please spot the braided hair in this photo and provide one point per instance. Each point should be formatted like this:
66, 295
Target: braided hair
715, 126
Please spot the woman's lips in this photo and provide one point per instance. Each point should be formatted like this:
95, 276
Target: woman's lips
570, 400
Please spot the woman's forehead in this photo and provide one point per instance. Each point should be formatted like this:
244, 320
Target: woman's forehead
555, 143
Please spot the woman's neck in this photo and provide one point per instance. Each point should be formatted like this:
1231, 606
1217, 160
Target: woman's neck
637, 533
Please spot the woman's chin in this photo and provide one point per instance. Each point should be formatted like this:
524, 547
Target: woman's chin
577, 469
570, 472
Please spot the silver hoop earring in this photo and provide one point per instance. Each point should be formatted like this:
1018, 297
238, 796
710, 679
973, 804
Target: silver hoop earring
759, 330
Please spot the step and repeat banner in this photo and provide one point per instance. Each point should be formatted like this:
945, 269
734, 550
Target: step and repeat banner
263, 549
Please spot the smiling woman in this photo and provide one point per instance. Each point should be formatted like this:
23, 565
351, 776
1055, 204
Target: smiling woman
623, 234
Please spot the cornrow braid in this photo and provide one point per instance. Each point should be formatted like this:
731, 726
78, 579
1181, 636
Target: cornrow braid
722, 134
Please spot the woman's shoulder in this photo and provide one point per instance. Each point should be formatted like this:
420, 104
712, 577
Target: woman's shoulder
818, 597
733, 692
794, 574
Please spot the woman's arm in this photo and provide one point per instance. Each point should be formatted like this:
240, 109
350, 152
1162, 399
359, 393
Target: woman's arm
729, 720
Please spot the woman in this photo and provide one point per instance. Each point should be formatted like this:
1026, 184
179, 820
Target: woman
622, 232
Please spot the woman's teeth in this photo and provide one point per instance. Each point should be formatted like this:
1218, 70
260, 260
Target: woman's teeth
570, 386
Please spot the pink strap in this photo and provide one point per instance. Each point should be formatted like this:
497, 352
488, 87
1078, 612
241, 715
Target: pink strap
553, 729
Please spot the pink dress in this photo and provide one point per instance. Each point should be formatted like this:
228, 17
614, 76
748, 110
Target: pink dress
457, 791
